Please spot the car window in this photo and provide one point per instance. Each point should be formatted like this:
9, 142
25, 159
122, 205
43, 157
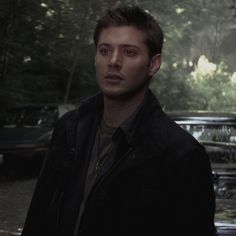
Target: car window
214, 133
33, 117
218, 139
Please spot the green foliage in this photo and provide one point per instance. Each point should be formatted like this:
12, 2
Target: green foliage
47, 53
171, 89
212, 87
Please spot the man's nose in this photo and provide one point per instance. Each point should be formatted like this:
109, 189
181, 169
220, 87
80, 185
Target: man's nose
115, 59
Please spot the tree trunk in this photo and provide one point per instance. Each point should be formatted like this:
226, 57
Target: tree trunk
76, 58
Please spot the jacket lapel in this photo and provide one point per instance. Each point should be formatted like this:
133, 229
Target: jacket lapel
85, 134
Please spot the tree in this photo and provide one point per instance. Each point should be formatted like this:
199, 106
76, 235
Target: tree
212, 87
47, 51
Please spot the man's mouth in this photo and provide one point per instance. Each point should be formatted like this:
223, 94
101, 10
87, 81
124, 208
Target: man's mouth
113, 76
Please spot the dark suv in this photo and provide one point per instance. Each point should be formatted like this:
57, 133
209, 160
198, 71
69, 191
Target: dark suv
26, 130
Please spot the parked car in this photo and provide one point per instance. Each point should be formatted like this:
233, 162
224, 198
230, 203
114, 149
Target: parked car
25, 132
217, 132
225, 190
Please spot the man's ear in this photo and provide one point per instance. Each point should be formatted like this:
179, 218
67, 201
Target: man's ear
155, 64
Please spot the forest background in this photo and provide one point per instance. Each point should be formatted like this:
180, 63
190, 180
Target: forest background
47, 52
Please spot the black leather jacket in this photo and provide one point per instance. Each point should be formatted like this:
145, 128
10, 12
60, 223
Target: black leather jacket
160, 185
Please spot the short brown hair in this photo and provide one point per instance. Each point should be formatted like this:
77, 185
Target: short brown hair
133, 16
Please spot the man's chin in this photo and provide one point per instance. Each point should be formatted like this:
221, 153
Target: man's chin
115, 95
122, 95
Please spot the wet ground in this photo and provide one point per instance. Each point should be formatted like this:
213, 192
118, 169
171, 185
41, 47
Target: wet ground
16, 189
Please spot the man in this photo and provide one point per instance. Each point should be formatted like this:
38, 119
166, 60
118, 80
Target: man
118, 166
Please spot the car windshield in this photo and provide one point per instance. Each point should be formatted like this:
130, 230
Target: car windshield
30, 117
218, 139
212, 133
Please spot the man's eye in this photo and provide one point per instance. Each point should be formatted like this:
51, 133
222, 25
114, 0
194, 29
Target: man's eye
104, 51
130, 53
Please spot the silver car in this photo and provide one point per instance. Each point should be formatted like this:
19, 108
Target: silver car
25, 133
217, 133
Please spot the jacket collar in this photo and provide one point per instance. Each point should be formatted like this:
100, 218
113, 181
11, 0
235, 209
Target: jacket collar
94, 106
141, 124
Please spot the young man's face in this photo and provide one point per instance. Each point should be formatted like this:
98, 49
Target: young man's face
123, 66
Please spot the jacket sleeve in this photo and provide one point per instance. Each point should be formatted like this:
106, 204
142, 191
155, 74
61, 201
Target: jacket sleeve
42, 214
196, 198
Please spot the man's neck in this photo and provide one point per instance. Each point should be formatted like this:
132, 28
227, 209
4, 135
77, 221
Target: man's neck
116, 111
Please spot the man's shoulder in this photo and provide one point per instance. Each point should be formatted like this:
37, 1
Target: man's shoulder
178, 133
85, 106
159, 125
181, 141
68, 117
170, 134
